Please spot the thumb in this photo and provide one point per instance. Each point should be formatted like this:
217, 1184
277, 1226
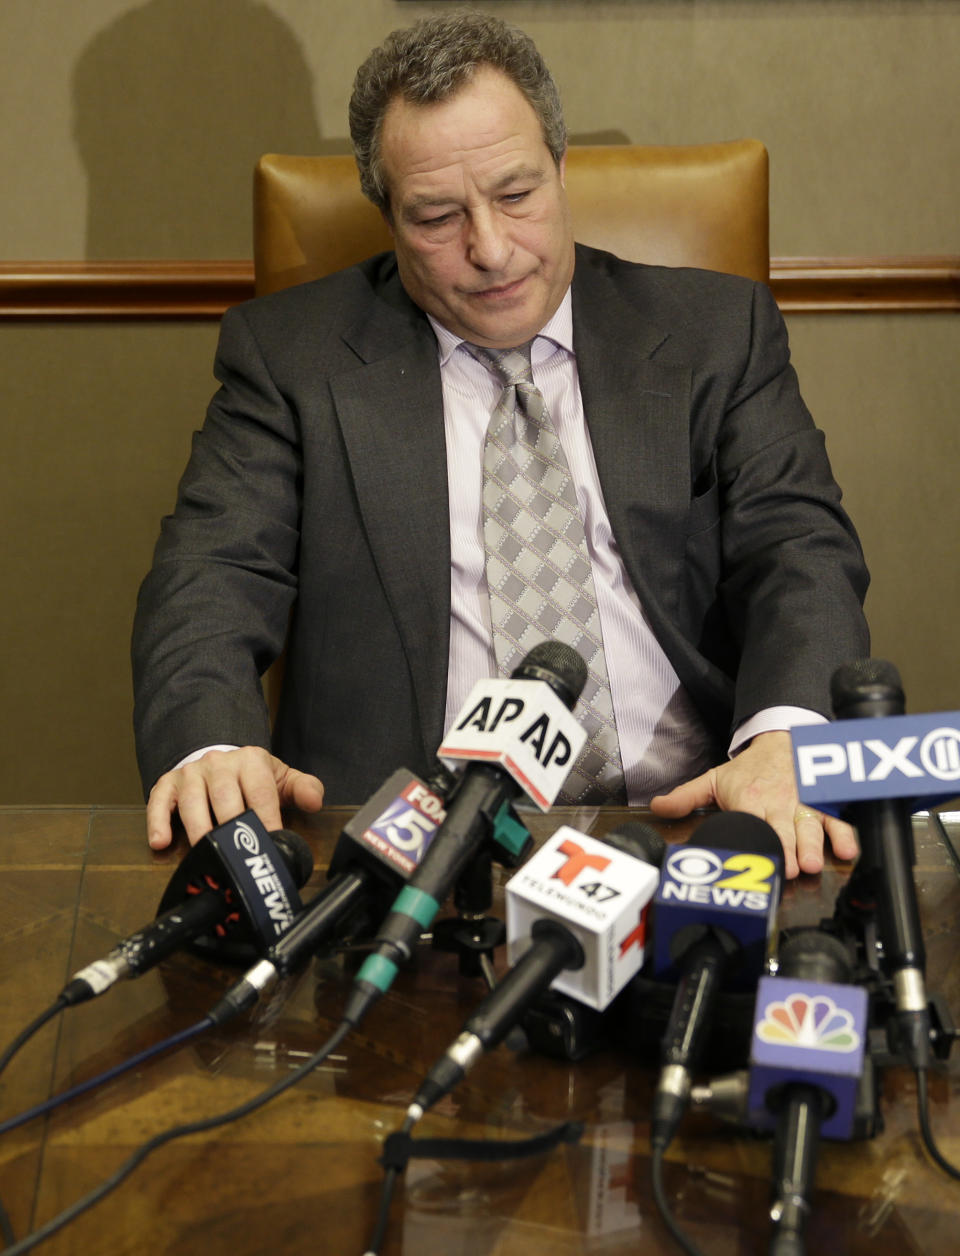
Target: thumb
685, 798
301, 789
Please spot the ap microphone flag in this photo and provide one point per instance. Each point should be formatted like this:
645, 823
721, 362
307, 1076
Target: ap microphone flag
525, 728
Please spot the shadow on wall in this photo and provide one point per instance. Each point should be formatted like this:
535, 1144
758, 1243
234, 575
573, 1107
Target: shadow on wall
173, 104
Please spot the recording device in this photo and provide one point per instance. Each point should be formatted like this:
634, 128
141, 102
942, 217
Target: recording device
576, 920
874, 762
714, 928
517, 736
377, 850
232, 896
807, 1058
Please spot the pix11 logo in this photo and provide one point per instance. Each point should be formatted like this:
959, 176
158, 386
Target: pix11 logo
811, 1021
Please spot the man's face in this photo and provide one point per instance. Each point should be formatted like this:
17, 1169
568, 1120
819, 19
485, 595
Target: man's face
479, 216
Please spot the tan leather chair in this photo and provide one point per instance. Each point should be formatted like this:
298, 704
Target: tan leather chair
690, 205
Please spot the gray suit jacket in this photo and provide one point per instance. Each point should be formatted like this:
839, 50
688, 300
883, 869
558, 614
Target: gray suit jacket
316, 495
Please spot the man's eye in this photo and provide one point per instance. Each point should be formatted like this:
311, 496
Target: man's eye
440, 220
513, 198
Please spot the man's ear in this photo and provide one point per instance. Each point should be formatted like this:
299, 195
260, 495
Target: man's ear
562, 167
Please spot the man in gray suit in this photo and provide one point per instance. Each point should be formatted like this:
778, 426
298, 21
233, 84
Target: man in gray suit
336, 486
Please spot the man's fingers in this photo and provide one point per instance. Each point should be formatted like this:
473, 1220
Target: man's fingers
301, 789
224, 791
842, 836
808, 826
192, 801
685, 798
222, 784
249, 784
160, 807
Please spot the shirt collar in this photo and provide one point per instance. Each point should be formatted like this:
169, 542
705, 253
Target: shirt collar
558, 329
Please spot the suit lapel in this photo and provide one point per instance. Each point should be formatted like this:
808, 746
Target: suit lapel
637, 411
390, 412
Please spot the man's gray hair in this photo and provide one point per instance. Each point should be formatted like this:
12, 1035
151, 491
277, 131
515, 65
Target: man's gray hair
430, 62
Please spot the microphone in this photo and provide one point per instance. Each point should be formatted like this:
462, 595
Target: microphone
518, 736
869, 691
233, 894
576, 922
806, 1061
714, 924
376, 851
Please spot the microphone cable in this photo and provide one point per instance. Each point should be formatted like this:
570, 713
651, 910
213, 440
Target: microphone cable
399, 1148
82, 1205
926, 1130
108, 1075
658, 1151
21, 1040
390, 1175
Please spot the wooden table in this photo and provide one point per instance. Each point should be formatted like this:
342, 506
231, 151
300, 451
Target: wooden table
301, 1175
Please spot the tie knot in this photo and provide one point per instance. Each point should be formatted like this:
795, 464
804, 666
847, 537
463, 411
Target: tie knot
511, 366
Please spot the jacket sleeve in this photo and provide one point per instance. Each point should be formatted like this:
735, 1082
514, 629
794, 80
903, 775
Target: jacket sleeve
793, 577
212, 612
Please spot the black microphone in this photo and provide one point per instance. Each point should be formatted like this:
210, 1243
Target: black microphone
806, 1061
883, 875
714, 922
233, 893
377, 850
522, 721
590, 926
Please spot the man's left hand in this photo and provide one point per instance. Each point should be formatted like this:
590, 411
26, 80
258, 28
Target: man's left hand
760, 780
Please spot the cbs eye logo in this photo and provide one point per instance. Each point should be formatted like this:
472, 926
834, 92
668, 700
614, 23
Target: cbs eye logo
691, 865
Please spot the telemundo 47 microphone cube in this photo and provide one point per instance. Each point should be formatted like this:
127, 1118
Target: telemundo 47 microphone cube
598, 892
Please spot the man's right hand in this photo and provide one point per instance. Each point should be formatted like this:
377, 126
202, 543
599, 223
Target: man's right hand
222, 784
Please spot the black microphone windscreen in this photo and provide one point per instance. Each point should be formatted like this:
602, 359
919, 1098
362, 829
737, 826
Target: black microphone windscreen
558, 665
866, 688
296, 854
738, 830
812, 955
640, 840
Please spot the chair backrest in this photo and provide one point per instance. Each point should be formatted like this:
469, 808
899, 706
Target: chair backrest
688, 205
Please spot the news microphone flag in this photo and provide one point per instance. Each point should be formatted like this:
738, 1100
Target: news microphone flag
914, 757
601, 894
231, 897
394, 828
732, 890
813, 1032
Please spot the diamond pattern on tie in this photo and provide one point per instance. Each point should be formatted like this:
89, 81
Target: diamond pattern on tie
539, 575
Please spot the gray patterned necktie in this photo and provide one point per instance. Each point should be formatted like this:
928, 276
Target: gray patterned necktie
539, 575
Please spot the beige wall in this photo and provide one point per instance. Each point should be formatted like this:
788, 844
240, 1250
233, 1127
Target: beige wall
130, 130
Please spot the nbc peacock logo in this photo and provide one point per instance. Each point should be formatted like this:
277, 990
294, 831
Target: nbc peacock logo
813, 1021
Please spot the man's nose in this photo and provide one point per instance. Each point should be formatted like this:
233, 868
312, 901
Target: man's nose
488, 242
